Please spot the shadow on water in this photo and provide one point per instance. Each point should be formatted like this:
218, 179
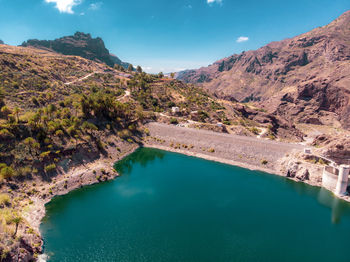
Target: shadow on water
326, 198
142, 156
338, 206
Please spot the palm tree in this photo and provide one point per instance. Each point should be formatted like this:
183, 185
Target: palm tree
17, 220
16, 112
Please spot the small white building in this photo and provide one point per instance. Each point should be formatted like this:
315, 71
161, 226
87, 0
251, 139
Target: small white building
175, 110
219, 124
307, 151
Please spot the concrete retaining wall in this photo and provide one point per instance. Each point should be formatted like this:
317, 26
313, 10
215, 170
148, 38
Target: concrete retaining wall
330, 178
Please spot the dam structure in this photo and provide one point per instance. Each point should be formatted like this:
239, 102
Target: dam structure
336, 178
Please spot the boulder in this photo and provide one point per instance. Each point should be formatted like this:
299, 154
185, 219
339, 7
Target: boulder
303, 175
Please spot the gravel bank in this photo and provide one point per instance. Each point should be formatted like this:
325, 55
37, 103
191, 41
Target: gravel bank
248, 152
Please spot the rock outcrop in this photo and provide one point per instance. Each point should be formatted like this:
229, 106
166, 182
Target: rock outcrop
80, 44
304, 79
336, 148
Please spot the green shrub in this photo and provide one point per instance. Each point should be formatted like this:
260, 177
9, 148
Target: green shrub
50, 168
6, 172
59, 133
5, 134
254, 130
264, 162
173, 121
4, 200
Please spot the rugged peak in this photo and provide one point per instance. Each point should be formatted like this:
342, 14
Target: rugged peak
82, 35
79, 44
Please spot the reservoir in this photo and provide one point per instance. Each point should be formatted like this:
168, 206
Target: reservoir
175, 208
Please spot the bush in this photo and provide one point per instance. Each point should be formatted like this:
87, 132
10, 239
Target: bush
4, 200
5, 134
146, 131
255, 130
173, 121
264, 162
211, 150
6, 172
23, 171
50, 168
125, 134
59, 133
321, 162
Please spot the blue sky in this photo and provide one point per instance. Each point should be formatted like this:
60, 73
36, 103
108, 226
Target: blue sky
164, 35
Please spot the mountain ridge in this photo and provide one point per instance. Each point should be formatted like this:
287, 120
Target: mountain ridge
79, 44
304, 78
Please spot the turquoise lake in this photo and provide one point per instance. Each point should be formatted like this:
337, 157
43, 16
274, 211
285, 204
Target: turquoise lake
170, 207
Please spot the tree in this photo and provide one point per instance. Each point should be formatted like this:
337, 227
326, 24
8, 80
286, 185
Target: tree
17, 220
172, 75
130, 68
31, 145
139, 69
160, 75
119, 68
51, 109
2, 96
16, 112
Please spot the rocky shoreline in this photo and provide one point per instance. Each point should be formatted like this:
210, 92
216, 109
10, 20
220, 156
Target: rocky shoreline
76, 177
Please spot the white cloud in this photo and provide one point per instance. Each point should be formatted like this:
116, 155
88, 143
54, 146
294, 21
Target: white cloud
95, 6
65, 6
214, 1
242, 39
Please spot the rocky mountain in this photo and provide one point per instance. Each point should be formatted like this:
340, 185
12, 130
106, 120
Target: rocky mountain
305, 78
1, 42
80, 44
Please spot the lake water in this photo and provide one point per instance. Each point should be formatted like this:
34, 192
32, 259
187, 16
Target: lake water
170, 207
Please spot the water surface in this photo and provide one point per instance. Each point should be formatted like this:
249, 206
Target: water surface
170, 207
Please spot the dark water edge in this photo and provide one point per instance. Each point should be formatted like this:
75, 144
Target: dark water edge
171, 207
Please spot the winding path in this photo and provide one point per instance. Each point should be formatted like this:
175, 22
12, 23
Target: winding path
81, 79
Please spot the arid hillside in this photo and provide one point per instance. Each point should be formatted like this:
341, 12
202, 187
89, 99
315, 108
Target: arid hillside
305, 79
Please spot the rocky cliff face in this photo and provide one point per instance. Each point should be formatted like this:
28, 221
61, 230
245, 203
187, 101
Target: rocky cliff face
305, 78
79, 44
